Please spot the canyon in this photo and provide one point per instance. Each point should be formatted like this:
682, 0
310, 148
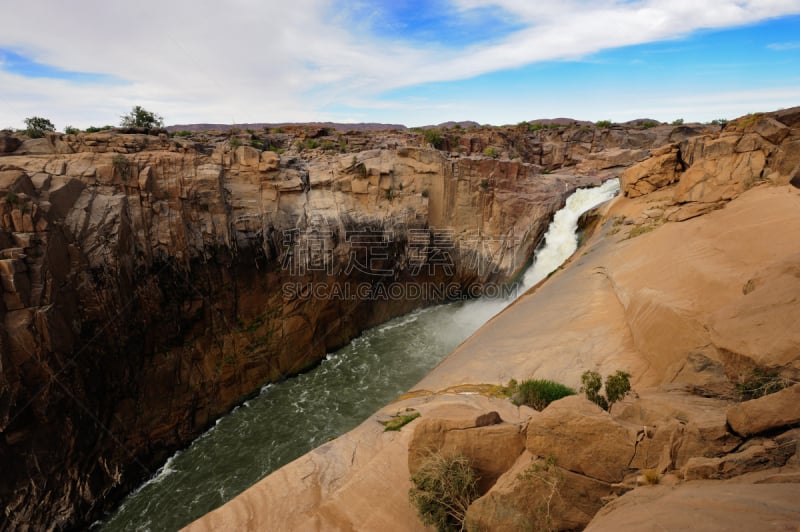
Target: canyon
144, 274
689, 281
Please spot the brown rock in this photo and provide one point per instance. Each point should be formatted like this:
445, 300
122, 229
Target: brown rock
491, 445
771, 129
8, 143
583, 438
776, 410
703, 505
651, 174
756, 457
269, 161
535, 495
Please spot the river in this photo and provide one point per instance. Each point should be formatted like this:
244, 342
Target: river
290, 418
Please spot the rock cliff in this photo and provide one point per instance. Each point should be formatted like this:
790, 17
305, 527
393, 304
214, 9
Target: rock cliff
690, 283
150, 283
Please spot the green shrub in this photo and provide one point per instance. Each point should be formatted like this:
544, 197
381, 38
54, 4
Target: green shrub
536, 126
677, 122
120, 164
604, 123
140, 117
538, 393
648, 125
398, 422
618, 386
183, 133
12, 198
69, 130
758, 383
95, 129
37, 126
235, 143
444, 487
434, 138
492, 152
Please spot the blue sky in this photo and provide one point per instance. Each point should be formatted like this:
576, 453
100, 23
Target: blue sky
402, 61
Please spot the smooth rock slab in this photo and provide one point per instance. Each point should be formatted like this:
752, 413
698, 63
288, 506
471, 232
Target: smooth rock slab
776, 410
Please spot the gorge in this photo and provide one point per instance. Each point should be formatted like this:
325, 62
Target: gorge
143, 274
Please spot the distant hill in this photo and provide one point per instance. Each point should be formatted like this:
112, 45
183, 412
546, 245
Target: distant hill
261, 125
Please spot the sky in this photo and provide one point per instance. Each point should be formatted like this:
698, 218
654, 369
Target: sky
411, 62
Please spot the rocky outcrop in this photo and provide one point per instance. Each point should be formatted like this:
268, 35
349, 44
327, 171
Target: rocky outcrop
683, 284
149, 283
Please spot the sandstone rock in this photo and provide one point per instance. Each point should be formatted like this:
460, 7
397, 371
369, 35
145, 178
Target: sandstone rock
722, 177
677, 427
758, 456
8, 143
702, 505
776, 410
247, 156
582, 438
771, 129
535, 495
651, 174
693, 210
491, 445
754, 325
269, 161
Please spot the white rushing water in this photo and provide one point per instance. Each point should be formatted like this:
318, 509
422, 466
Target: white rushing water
290, 418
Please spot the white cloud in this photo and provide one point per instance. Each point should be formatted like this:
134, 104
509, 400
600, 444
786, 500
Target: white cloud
250, 60
783, 46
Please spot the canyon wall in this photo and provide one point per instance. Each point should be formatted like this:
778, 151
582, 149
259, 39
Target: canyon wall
150, 283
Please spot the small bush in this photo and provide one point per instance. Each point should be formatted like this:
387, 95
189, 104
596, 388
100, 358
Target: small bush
69, 130
484, 184
648, 125
651, 476
758, 383
12, 198
37, 126
492, 152
398, 422
96, 129
425, 193
604, 123
184, 133
538, 393
121, 166
618, 386
235, 143
444, 487
677, 122
434, 138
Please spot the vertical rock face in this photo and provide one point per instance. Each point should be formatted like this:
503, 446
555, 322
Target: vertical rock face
149, 284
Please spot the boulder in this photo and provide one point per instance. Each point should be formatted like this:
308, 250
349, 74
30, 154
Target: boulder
583, 438
772, 411
491, 445
757, 456
649, 175
537, 495
8, 143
